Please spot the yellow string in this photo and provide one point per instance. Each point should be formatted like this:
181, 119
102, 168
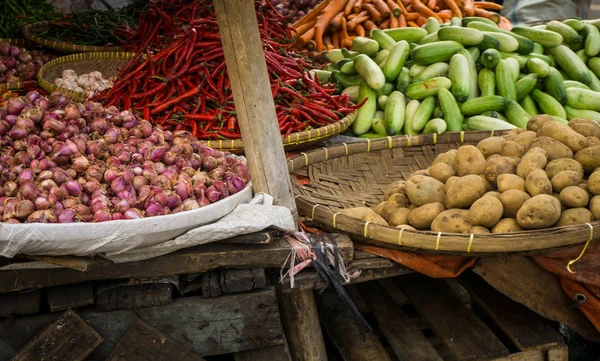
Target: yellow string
346, 146
434, 138
368, 145
408, 140
326, 153
390, 142
437, 241
334, 221
462, 136
583, 250
470, 243
305, 159
312, 215
492, 134
365, 231
290, 161
400, 237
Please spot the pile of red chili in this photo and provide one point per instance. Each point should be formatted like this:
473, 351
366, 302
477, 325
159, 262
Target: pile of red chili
179, 80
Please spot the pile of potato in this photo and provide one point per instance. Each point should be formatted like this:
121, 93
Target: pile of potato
545, 176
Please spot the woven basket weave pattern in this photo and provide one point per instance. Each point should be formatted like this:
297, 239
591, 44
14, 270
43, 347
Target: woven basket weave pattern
30, 31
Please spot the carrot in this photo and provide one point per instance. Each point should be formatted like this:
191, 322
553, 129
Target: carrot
436, 9
412, 24
412, 16
369, 26
344, 28
393, 22
469, 7
357, 6
307, 36
445, 14
385, 24
432, 4
336, 22
421, 20
375, 14
495, 17
357, 20
335, 39
459, 3
488, 5
349, 7
328, 13
419, 7
351, 16
401, 21
360, 30
505, 23
305, 27
346, 43
327, 41
401, 6
396, 11
311, 45
454, 7
383, 8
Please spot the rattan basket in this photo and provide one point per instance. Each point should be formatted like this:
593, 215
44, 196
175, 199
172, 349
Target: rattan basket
109, 64
356, 174
293, 141
30, 32
17, 85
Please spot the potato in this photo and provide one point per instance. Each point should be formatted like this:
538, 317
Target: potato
507, 225
535, 123
375, 218
421, 190
593, 141
565, 179
421, 217
562, 206
396, 187
451, 221
535, 158
563, 134
488, 186
406, 226
574, 216
493, 194
465, 191
496, 166
541, 211
554, 149
424, 172
450, 182
524, 139
441, 172
558, 165
589, 158
412, 206
537, 182
399, 198
575, 121
513, 134
512, 200
512, 149
586, 129
490, 146
469, 160
448, 157
583, 185
593, 183
479, 230
486, 211
594, 206
510, 181
398, 216
574, 197
379, 207
357, 212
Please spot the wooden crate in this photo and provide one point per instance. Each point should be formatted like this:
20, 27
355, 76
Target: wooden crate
417, 318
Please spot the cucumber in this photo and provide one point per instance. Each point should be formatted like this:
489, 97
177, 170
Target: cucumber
411, 35
435, 125
572, 65
514, 68
338, 64
394, 113
437, 111
435, 52
381, 100
431, 25
423, 113
378, 126
488, 42
385, 41
334, 55
504, 81
403, 80
482, 104
537, 48
379, 114
594, 65
592, 40
348, 68
516, 115
547, 38
348, 54
487, 82
411, 109
490, 58
459, 75
525, 85
583, 99
538, 66
366, 113
568, 33
560, 119
466, 21
521, 59
370, 71
574, 84
578, 45
365, 46
344, 81
425, 88
595, 84
468, 53
525, 45
465, 36
555, 85
474, 51
528, 105
452, 114
322, 75
494, 114
353, 92
381, 56
372, 136
581, 113
548, 104
547, 59
506, 42
456, 22
582, 55
417, 69
481, 122
432, 71
395, 61
431, 38
576, 24
386, 89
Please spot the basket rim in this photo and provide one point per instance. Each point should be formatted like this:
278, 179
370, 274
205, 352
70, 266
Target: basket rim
76, 96
28, 33
531, 241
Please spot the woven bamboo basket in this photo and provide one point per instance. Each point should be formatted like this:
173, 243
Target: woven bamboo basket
30, 32
293, 141
109, 64
356, 174
17, 85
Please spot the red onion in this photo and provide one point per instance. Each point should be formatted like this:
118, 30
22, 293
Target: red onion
60, 176
17, 133
73, 187
222, 188
102, 215
190, 204
217, 173
212, 194
241, 170
42, 216
53, 126
155, 154
14, 106
99, 125
80, 164
28, 191
183, 190
46, 184
133, 213
4, 127
118, 184
161, 181
154, 209
33, 113
15, 208
113, 162
111, 174
66, 216
11, 188
94, 172
91, 186
31, 97
71, 112
116, 216
26, 175
209, 163
58, 193
112, 135
139, 181
42, 202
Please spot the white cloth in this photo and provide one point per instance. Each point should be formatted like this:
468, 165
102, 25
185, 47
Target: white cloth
521, 12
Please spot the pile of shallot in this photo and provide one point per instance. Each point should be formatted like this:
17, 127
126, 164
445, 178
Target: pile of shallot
293, 10
19, 64
65, 162
89, 83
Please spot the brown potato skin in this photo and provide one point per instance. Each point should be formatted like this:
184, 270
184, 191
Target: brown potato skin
537, 182
541, 211
574, 216
399, 216
479, 230
441, 172
558, 165
563, 134
451, 221
490, 146
396, 187
486, 212
535, 123
535, 158
507, 225
565, 179
469, 160
554, 149
593, 141
589, 159
524, 139
513, 149
465, 191
594, 206
593, 183
421, 217
448, 157
512, 200
496, 166
510, 181
422, 190
587, 130
574, 197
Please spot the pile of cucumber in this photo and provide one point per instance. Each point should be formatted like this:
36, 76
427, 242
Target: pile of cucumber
469, 74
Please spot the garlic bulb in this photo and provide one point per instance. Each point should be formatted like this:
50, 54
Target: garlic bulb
89, 83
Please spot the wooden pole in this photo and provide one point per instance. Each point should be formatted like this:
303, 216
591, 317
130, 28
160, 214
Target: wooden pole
254, 104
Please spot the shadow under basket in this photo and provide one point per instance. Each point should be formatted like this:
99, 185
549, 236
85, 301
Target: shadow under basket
357, 174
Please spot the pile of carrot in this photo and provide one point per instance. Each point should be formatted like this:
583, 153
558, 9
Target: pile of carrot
340, 21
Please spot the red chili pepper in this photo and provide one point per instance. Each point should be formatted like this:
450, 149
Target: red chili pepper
183, 96
231, 123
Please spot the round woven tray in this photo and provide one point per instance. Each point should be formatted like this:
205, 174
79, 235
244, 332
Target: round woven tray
107, 63
293, 141
17, 85
356, 175
30, 31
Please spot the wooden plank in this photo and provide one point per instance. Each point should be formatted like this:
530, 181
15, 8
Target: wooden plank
77, 263
405, 338
558, 354
20, 303
138, 296
301, 324
527, 330
254, 104
531, 355
68, 338
271, 353
210, 284
358, 254
144, 343
264, 237
61, 298
190, 260
394, 291
343, 331
233, 281
536, 288
357, 299
465, 335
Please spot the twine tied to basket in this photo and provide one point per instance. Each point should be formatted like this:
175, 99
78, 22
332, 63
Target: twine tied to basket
583, 250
